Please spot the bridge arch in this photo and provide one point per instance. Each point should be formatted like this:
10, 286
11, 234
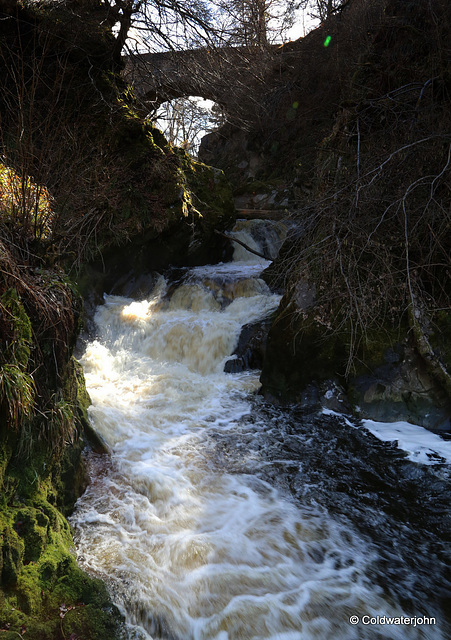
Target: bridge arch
228, 76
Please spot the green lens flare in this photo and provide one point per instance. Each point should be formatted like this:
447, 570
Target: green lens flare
327, 41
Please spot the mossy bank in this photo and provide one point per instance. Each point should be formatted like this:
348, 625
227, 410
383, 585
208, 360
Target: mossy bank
43, 592
43, 404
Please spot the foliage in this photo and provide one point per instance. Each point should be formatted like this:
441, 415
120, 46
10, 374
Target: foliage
16, 327
37, 319
25, 204
17, 389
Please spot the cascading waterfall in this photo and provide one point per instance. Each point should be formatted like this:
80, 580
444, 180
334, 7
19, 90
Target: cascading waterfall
191, 548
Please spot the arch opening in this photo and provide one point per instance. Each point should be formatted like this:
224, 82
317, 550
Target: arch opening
186, 120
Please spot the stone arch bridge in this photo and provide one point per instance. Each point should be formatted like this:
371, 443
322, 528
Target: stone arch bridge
233, 77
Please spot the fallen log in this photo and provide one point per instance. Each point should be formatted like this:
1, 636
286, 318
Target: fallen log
243, 244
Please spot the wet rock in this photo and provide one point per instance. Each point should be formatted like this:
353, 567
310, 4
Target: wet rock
250, 350
275, 275
401, 389
390, 382
135, 285
266, 236
333, 397
300, 351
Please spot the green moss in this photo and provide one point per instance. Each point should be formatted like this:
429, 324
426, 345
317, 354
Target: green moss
17, 392
208, 191
12, 552
8, 484
38, 571
18, 349
74, 389
135, 138
89, 622
39, 575
31, 526
17, 389
28, 592
5, 456
373, 346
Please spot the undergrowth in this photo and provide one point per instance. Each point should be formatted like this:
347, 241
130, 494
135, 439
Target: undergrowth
375, 240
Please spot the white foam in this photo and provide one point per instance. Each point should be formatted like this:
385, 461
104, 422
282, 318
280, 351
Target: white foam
420, 444
232, 269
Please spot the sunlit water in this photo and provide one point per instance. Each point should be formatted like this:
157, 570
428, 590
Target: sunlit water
192, 546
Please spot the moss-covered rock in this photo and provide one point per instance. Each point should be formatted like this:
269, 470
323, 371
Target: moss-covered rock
39, 577
18, 329
191, 202
11, 556
371, 240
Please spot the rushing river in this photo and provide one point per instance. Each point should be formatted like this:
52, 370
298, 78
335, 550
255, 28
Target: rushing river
218, 517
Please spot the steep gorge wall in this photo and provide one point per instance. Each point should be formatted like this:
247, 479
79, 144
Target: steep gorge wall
43, 430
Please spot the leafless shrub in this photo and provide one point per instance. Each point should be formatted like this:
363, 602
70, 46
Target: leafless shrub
376, 232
